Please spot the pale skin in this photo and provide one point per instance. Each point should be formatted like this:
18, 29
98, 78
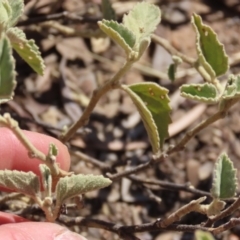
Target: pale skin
13, 156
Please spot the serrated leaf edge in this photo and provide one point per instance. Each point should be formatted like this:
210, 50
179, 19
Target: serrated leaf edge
154, 139
197, 98
208, 67
105, 29
215, 174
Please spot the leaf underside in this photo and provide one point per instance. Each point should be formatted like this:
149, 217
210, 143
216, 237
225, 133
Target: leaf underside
71, 186
142, 20
18, 181
209, 48
206, 92
224, 182
118, 33
27, 49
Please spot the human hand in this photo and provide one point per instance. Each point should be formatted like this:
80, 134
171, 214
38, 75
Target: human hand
14, 156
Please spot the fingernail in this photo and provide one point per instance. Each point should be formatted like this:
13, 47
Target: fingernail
68, 235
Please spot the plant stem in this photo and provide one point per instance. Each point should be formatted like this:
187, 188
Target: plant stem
167, 46
218, 115
191, 61
97, 94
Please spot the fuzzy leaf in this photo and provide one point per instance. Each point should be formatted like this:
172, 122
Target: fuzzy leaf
46, 178
71, 186
17, 7
232, 89
209, 49
152, 103
7, 73
201, 235
120, 34
142, 20
18, 181
224, 181
27, 49
108, 11
147, 119
200, 92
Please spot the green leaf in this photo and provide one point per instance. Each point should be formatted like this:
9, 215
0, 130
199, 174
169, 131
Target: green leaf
120, 34
53, 150
201, 235
152, 103
71, 186
27, 49
209, 49
7, 73
200, 92
224, 181
108, 11
232, 89
142, 21
17, 7
46, 178
18, 181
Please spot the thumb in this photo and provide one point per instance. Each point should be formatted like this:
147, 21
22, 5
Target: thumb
37, 231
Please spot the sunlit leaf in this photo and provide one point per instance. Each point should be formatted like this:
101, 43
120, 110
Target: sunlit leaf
27, 49
200, 92
142, 20
210, 50
7, 73
152, 103
18, 181
71, 186
224, 181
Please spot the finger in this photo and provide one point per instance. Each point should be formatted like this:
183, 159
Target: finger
37, 231
14, 156
10, 218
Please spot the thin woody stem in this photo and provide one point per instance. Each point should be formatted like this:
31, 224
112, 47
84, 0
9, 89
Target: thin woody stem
97, 94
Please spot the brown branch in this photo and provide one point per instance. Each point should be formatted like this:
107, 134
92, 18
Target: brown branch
103, 166
126, 173
187, 187
190, 134
224, 227
126, 230
59, 16
184, 210
172, 51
